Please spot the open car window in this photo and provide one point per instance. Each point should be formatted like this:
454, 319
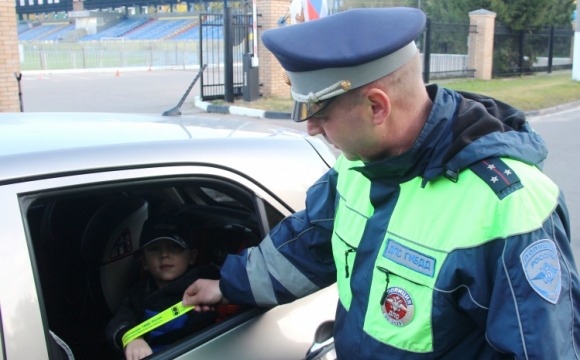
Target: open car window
85, 247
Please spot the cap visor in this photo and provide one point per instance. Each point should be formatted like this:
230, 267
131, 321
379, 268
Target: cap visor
175, 239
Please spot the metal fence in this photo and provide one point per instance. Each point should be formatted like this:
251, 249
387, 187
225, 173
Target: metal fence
445, 50
522, 52
111, 53
163, 54
223, 45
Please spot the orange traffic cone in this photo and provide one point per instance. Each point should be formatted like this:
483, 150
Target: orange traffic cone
117, 73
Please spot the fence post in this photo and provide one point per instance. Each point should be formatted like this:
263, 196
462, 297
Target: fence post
427, 53
480, 49
521, 47
42, 57
550, 49
84, 56
228, 56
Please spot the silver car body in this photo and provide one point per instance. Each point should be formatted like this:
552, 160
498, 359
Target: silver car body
63, 155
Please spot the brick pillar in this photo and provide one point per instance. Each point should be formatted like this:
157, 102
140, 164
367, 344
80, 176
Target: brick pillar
79, 5
9, 58
481, 43
270, 71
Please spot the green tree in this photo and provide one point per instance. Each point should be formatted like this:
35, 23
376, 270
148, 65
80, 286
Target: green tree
516, 20
515, 14
453, 11
351, 4
520, 14
560, 12
526, 19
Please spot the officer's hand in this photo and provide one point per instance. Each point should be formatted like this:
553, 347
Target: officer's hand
203, 294
137, 349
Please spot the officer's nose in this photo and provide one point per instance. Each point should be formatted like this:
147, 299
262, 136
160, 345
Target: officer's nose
313, 127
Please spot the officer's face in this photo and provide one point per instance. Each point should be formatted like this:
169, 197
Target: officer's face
347, 124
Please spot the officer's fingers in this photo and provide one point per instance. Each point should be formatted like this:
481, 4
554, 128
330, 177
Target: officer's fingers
205, 308
192, 289
189, 296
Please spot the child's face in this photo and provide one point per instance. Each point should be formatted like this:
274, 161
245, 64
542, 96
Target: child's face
166, 260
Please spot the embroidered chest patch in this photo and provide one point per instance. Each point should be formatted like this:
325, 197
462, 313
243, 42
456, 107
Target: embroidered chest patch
409, 258
542, 268
397, 306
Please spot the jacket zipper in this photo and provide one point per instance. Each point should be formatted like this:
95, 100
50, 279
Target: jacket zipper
351, 249
385, 293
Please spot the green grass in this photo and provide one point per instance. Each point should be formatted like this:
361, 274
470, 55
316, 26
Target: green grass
529, 92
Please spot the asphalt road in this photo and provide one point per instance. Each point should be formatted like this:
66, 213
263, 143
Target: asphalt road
153, 92
124, 91
560, 132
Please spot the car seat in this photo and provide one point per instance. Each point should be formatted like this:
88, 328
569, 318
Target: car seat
109, 245
64, 233
222, 231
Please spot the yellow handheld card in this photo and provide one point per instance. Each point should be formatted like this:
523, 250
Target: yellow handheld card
163, 317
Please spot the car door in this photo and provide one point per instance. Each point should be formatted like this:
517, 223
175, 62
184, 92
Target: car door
69, 250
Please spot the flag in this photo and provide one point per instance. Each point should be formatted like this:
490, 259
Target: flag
305, 10
316, 9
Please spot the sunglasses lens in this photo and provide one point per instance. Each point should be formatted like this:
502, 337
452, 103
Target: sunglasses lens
305, 110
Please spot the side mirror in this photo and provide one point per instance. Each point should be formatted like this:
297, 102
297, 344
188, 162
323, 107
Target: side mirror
323, 346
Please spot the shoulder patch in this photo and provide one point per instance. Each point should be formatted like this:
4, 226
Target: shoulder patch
498, 175
541, 265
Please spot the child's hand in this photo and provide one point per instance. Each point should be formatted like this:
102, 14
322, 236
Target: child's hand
137, 349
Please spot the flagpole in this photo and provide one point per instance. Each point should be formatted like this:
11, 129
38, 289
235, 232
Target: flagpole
576, 54
255, 60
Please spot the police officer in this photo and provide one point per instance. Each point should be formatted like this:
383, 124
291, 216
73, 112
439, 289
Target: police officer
445, 238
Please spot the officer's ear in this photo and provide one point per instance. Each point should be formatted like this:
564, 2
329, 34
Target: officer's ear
380, 104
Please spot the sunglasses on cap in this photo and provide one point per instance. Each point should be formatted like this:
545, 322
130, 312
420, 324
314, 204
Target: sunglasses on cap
305, 110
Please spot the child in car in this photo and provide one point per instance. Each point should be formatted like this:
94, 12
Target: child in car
169, 256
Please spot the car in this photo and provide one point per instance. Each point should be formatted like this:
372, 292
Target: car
75, 189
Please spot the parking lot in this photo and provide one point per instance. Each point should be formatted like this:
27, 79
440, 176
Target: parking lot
109, 90
153, 92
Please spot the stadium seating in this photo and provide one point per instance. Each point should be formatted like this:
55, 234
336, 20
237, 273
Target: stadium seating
119, 30
141, 28
160, 29
45, 31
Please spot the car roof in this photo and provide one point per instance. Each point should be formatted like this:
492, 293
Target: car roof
36, 145
35, 132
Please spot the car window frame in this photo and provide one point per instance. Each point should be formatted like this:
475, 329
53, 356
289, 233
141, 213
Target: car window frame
24, 193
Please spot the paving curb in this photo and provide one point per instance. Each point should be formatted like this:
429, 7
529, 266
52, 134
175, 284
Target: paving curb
553, 109
239, 110
265, 114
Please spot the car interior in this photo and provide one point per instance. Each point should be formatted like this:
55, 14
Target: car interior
85, 244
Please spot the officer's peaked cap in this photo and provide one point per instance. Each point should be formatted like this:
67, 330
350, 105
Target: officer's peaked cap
326, 57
